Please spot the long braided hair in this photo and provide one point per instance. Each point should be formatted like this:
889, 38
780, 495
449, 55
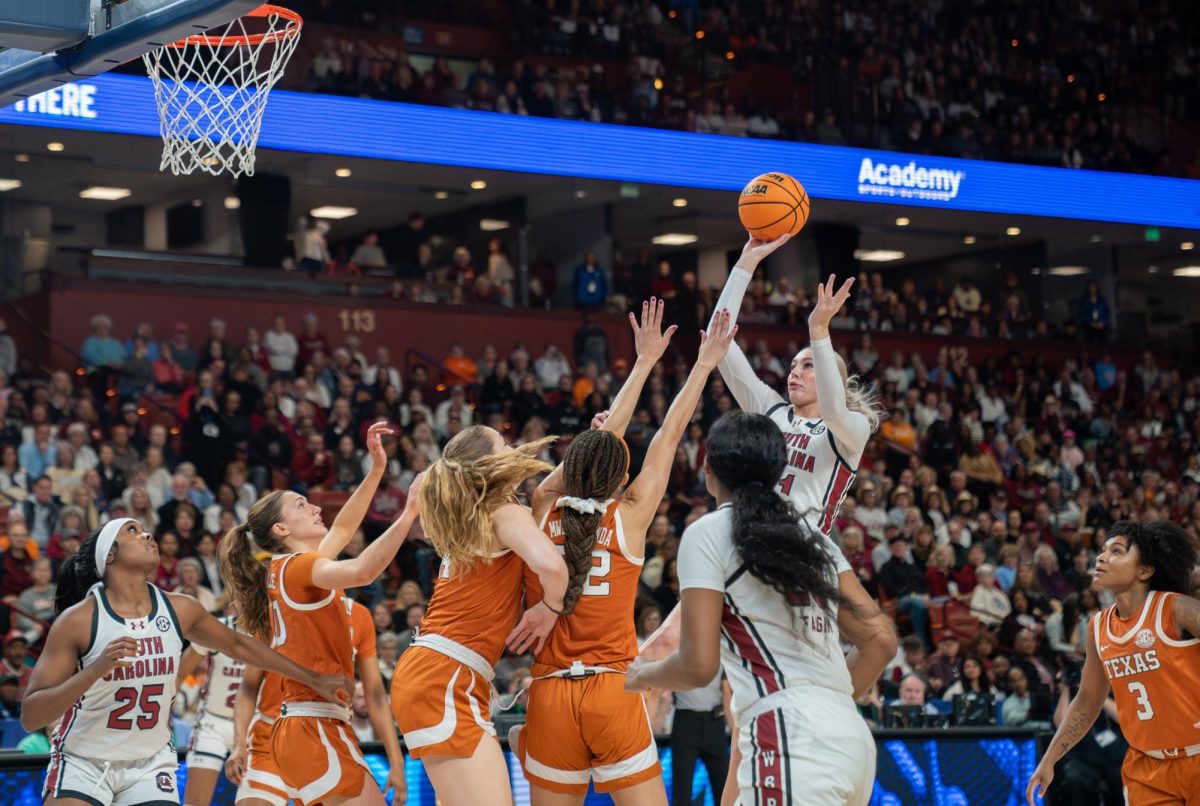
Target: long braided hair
596, 464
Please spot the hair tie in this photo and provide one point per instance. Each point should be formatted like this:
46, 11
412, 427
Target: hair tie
259, 553
758, 485
584, 506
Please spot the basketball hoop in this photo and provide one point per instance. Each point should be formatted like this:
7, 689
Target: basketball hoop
211, 90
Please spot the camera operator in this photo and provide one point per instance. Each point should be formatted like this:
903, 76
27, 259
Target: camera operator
1091, 773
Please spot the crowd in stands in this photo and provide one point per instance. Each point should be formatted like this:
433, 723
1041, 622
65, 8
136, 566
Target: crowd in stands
1075, 83
976, 517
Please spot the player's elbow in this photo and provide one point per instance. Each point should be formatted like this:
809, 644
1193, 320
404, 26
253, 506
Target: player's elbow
702, 671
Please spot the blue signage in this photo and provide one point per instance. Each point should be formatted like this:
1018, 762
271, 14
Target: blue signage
357, 127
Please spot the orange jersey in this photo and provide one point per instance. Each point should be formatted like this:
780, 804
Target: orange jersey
270, 696
600, 631
1154, 672
477, 609
362, 631
311, 625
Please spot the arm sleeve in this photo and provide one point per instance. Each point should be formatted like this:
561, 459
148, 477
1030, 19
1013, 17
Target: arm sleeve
700, 563
849, 428
748, 390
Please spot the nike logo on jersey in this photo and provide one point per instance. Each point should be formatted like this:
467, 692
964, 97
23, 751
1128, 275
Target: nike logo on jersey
1104, 647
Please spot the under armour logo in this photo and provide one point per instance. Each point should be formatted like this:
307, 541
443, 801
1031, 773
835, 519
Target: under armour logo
137, 625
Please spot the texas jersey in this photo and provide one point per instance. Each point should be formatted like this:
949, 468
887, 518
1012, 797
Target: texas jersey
126, 715
479, 608
600, 631
224, 678
310, 625
1154, 671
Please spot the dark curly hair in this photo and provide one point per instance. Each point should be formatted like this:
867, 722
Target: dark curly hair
1165, 547
78, 574
747, 454
595, 465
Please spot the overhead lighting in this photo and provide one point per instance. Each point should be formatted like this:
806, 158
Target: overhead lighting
1068, 271
441, 195
673, 239
1187, 246
581, 194
342, 173
679, 202
21, 157
493, 224
1096, 238
479, 184
197, 202
878, 255
658, 84
104, 193
1013, 231
1187, 271
969, 239
232, 202
333, 211
1152, 269
55, 147
902, 222
9, 184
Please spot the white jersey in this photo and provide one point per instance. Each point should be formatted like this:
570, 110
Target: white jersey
823, 453
126, 715
769, 643
224, 679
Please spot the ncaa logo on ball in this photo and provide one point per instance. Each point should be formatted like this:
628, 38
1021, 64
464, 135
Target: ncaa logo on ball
1145, 638
754, 190
163, 623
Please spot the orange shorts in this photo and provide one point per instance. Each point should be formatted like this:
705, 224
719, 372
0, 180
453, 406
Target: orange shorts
262, 779
587, 729
318, 757
1153, 781
442, 707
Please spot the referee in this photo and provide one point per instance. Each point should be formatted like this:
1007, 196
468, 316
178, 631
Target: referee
698, 730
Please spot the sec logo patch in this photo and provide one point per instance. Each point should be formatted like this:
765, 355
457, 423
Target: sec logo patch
163, 623
1145, 638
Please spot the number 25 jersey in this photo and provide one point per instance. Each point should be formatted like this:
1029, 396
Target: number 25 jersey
126, 715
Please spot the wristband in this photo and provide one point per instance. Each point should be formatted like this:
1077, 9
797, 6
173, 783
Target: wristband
551, 609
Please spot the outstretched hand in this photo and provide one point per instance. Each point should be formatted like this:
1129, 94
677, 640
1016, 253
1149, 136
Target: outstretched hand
755, 250
714, 342
375, 435
648, 338
829, 302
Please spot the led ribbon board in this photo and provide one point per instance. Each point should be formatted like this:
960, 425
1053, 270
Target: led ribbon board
356, 127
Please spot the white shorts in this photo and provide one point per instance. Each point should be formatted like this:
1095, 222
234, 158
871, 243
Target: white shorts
212, 739
805, 745
145, 782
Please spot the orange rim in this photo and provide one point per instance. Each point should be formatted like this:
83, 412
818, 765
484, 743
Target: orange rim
294, 23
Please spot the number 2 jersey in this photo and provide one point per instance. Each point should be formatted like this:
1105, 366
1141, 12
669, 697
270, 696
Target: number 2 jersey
224, 678
600, 631
1154, 671
126, 715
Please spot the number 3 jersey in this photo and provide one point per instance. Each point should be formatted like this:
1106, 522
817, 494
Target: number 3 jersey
1154, 670
600, 631
126, 715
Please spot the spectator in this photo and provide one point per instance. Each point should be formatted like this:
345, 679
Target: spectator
369, 255
179, 351
281, 348
988, 602
461, 367
40, 454
41, 512
591, 287
912, 692
943, 669
1095, 320
102, 354
16, 662
903, 582
1020, 708
8, 351
972, 682
191, 575
313, 250
551, 366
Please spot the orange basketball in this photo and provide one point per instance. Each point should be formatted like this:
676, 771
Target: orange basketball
773, 204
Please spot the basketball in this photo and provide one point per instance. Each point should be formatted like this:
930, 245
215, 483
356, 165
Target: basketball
772, 204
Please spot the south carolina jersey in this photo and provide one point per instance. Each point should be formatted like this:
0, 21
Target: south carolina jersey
224, 678
310, 625
769, 644
816, 478
1154, 672
600, 631
126, 715
477, 609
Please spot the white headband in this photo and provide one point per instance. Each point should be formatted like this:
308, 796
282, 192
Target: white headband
104, 543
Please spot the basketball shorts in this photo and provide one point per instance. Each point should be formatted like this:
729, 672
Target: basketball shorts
805, 745
318, 757
1153, 781
212, 739
587, 729
442, 706
149, 781
262, 779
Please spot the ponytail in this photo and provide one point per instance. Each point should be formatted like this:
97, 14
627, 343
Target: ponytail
861, 397
595, 465
77, 575
243, 551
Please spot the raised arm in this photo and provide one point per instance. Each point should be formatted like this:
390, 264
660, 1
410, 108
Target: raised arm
750, 393
650, 343
640, 501
366, 567
57, 681
1081, 715
352, 513
244, 706
516, 529
851, 429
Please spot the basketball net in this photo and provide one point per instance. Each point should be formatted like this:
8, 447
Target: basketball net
211, 90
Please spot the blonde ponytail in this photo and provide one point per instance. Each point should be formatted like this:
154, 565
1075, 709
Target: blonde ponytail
860, 397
